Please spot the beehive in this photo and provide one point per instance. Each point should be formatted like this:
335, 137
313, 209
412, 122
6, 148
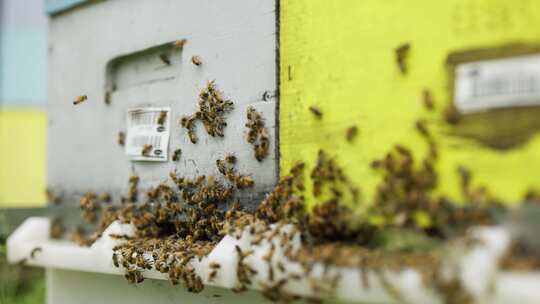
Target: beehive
340, 56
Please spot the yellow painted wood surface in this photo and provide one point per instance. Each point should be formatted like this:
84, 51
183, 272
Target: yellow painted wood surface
339, 56
22, 157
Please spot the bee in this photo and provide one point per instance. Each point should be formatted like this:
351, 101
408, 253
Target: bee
162, 117
165, 58
422, 128
451, 115
179, 43
212, 275
230, 158
121, 138
108, 97
316, 112
268, 256
350, 133
57, 228
80, 99
196, 60
402, 52
176, 155
115, 260
465, 175
192, 136
34, 251
289, 72
243, 181
105, 197
295, 276
52, 197
146, 149
214, 265
427, 99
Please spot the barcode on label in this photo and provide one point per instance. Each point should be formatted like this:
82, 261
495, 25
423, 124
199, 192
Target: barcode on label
139, 141
497, 83
144, 118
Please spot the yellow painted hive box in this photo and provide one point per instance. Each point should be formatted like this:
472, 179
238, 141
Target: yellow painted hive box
344, 57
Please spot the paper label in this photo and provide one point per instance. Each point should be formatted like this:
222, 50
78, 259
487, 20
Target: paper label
497, 83
148, 133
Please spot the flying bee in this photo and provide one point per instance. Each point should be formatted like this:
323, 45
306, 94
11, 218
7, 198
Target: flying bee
196, 60
402, 52
34, 251
350, 133
179, 43
162, 117
316, 112
121, 138
80, 99
427, 99
176, 155
165, 58
146, 149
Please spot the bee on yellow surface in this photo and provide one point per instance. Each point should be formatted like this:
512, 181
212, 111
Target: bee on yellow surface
316, 111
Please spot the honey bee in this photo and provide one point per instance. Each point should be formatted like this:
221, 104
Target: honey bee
161, 118
451, 115
108, 97
165, 58
243, 181
214, 265
179, 43
350, 133
316, 112
402, 52
176, 155
115, 260
421, 127
80, 99
146, 149
105, 197
465, 175
230, 158
427, 99
121, 138
34, 251
57, 228
212, 275
52, 197
196, 60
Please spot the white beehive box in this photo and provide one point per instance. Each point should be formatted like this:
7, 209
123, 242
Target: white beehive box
114, 46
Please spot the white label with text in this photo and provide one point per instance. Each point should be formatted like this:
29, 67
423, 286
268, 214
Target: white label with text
497, 83
148, 133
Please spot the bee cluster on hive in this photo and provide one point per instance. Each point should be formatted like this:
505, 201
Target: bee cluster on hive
184, 218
